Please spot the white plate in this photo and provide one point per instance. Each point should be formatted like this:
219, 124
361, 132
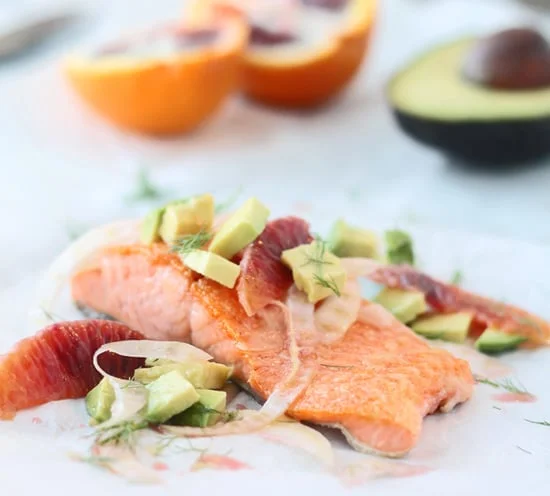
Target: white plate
477, 448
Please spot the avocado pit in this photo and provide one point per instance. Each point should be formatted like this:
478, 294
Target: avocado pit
514, 59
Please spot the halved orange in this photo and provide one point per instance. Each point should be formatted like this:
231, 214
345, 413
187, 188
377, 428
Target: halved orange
309, 59
168, 80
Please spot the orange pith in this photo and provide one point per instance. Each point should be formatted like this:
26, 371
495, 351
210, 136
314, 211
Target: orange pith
165, 95
309, 78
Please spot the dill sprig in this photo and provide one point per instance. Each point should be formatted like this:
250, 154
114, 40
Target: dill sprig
318, 260
145, 189
544, 423
506, 384
121, 433
524, 450
457, 277
328, 283
190, 242
230, 416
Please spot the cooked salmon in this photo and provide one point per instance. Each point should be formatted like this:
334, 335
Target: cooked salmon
376, 383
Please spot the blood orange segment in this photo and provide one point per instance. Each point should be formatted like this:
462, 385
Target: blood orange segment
446, 298
264, 278
56, 364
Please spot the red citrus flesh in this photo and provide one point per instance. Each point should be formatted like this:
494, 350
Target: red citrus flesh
264, 278
56, 364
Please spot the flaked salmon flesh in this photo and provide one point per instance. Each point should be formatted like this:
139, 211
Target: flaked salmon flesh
376, 383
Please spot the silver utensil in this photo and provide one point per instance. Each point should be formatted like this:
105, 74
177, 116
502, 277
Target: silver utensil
31, 33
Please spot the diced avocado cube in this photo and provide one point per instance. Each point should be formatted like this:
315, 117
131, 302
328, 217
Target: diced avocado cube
493, 341
202, 375
405, 305
169, 395
348, 241
452, 327
189, 217
399, 247
212, 266
206, 412
100, 400
151, 225
243, 227
315, 270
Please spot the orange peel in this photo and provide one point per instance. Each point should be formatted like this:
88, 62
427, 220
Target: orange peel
166, 94
307, 75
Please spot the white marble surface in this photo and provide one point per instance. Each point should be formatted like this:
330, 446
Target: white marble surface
61, 165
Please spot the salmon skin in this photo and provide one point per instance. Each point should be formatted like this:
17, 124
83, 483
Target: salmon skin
446, 298
376, 383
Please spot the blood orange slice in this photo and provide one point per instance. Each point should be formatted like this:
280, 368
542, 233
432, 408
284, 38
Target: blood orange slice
307, 51
57, 364
264, 278
168, 80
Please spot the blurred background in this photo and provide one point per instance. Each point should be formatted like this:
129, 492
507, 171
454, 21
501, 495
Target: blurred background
66, 169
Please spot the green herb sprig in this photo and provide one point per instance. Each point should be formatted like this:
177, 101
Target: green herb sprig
506, 384
327, 282
190, 242
457, 278
544, 423
145, 189
318, 260
121, 433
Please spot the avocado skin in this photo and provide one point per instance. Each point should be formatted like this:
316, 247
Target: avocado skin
490, 143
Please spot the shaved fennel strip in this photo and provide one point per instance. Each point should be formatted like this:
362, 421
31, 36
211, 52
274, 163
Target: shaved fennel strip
57, 277
338, 313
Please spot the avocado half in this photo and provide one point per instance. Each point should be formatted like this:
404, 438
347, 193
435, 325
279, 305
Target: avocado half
435, 104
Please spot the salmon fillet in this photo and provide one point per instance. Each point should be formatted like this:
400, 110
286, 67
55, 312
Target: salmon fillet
144, 287
376, 383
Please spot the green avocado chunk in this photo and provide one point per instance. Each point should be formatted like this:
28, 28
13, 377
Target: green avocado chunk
405, 305
206, 412
243, 227
100, 400
452, 327
399, 247
169, 395
315, 270
202, 375
213, 267
493, 341
349, 241
191, 216
151, 225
